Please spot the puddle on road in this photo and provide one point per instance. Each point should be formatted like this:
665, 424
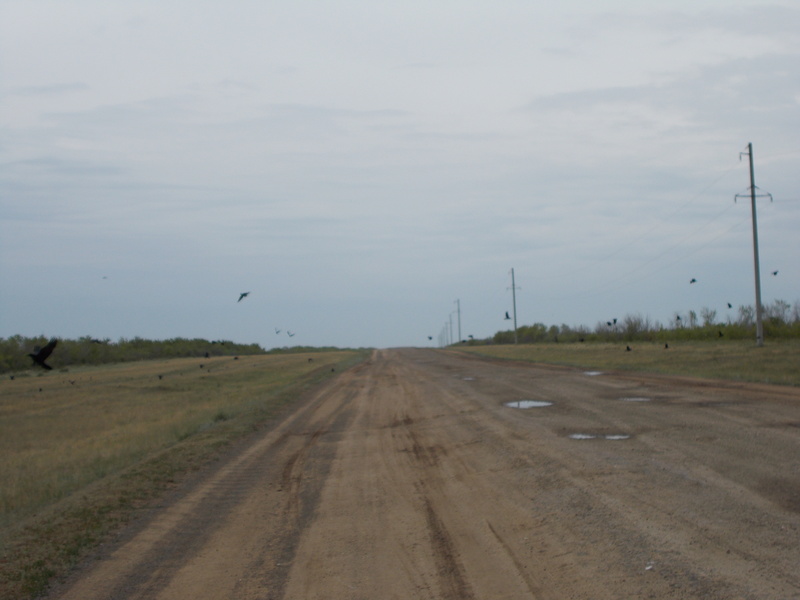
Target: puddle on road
635, 399
589, 436
592, 373
528, 404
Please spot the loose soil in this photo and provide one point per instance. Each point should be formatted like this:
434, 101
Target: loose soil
409, 476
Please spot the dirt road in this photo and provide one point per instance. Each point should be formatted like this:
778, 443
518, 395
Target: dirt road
409, 477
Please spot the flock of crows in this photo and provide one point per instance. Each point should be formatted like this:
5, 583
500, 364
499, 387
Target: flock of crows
40, 355
244, 295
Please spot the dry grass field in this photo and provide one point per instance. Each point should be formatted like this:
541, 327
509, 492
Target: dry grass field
114, 436
778, 362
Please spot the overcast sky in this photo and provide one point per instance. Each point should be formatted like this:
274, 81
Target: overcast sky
360, 166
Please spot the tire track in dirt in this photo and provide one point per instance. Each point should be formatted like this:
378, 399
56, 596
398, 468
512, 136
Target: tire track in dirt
268, 481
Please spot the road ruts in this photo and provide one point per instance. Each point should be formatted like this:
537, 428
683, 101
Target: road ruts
409, 477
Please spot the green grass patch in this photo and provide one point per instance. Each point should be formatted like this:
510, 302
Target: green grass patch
84, 448
777, 362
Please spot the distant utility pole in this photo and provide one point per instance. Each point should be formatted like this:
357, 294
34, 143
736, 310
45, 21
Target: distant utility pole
450, 328
753, 196
514, 302
458, 304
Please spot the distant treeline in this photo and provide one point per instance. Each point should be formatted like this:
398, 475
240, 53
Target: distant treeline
780, 320
91, 351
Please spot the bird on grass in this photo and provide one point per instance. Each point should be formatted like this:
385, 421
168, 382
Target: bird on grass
39, 355
666, 346
243, 295
627, 348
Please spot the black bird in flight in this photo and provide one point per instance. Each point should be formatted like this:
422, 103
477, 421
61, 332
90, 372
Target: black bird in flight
430, 337
507, 317
39, 355
774, 272
289, 333
730, 305
277, 331
693, 280
243, 295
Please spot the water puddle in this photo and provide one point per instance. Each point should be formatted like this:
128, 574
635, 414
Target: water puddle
589, 436
592, 373
528, 404
635, 399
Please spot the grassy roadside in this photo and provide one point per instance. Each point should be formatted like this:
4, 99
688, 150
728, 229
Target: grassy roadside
777, 362
83, 449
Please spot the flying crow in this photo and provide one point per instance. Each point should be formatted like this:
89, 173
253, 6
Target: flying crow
507, 317
243, 295
730, 305
774, 272
39, 355
277, 331
289, 333
693, 280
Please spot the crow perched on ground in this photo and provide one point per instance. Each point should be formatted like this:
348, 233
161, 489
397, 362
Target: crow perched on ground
39, 355
243, 295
